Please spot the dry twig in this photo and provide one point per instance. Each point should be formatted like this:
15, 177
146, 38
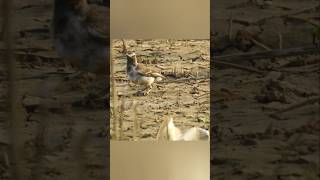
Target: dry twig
295, 106
237, 66
260, 44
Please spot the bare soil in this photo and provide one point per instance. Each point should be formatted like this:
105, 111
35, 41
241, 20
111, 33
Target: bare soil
184, 94
62, 132
265, 123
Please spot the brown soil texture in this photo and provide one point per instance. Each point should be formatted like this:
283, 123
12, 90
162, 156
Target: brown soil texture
253, 135
184, 94
61, 129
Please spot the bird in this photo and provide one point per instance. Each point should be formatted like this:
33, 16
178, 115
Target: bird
80, 33
140, 74
168, 131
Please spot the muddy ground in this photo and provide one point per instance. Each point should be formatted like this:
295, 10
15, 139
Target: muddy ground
253, 137
56, 116
184, 94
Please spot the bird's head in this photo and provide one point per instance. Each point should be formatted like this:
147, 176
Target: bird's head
131, 57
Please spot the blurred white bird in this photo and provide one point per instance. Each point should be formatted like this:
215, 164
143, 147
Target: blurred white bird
168, 131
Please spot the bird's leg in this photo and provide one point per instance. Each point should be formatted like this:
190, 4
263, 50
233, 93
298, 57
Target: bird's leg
69, 66
148, 89
145, 91
80, 79
141, 91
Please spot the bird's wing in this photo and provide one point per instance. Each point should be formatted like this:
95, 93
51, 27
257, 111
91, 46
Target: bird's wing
144, 71
98, 23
